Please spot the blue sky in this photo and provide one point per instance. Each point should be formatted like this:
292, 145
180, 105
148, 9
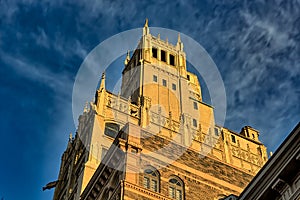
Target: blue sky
255, 44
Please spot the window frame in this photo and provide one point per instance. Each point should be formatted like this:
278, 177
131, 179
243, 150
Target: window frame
164, 82
155, 78
195, 105
233, 139
153, 179
176, 185
217, 132
109, 129
154, 51
195, 123
174, 87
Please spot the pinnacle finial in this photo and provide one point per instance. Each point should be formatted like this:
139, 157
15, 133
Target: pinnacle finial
127, 58
102, 84
178, 40
86, 107
179, 43
146, 28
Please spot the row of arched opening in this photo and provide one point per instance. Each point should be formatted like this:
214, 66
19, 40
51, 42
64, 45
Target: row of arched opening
151, 181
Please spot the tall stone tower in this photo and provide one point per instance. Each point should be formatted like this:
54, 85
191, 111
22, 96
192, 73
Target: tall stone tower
157, 139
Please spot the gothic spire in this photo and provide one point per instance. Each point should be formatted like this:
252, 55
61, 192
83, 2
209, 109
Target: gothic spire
146, 28
179, 43
178, 40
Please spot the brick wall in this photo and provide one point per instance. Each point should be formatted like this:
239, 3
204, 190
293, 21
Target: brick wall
204, 177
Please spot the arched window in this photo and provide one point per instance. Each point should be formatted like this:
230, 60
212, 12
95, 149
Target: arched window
111, 129
176, 188
151, 179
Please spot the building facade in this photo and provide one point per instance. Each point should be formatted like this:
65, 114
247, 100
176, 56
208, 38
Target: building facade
157, 139
279, 179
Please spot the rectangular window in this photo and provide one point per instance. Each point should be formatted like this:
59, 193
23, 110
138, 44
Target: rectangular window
188, 77
146, 182
194, 122
111, 129
171, 192
154, 185
154, 78
178, 195
164, 82
154, 52
172, 60
173, 86
195, 105
217, 132
233, 139
163, 55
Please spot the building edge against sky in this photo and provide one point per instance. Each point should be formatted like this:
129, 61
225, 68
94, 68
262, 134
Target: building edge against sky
280, 176
166, 144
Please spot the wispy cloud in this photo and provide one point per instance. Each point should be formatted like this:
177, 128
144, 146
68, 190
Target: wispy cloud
59, 82
262, 73
41, 38
255, 45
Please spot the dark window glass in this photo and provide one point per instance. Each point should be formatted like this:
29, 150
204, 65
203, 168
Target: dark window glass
163, 55
151, 180
188, 77
173, 86
111, 129
154, 78
175, 189
195, 105
164, 82
172, 60
154, 52
233, 138
216, 132
194, 122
